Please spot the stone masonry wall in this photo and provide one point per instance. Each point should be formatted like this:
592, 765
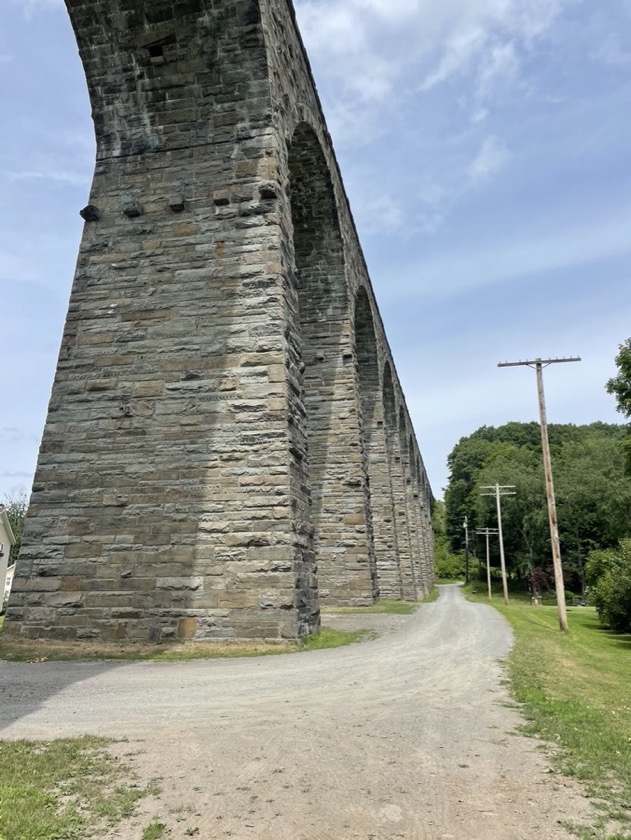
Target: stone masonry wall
227, 443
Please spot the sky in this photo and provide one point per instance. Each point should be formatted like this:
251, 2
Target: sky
485, 149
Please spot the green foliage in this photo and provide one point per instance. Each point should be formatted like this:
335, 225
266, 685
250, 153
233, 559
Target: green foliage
447, 566
61, 789
15, 506
592, 492
329, 638
450, 567
620, 387
154, 831
609, 574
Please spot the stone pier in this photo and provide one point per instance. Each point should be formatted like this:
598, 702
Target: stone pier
227, 444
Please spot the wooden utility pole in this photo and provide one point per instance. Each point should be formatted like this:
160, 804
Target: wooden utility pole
498, 492
465, 525
538, 365
486, 532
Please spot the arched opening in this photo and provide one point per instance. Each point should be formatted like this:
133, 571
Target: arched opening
376, 449
328, 458
402, 535
367, 362
416, 524
407, 499
426, 527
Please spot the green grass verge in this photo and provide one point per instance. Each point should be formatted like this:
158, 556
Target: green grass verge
62, 789
434, 595
393, 606
329, 638
18, 650
575, 691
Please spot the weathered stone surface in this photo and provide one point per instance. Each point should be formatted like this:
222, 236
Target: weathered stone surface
227, 443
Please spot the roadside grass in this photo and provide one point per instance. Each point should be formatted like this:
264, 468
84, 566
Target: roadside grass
392, 606
68, 788
575, 691
329, 638
154, 831
22, 650
434, 595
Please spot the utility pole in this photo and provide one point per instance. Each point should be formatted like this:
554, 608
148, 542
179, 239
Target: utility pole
465, 525
498, 492
538, 365
486, 532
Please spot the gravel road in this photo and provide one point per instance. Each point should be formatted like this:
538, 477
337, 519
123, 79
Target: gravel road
408, 736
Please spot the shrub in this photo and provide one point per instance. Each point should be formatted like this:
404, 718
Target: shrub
609, 575
449, 566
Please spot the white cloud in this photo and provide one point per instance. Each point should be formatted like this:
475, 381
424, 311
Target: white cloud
382, 215
489, 160
58, 176
505, 261
370, 44
498, 70
479, 116
611, 53
389, 61
458, 53
31, 7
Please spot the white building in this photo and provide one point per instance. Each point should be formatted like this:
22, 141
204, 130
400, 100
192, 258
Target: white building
6, 541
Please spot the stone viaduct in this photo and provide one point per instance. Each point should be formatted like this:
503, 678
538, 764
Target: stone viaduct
227, 446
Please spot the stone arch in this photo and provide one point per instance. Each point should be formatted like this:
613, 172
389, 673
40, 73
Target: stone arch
318, 247
428, 528
367, 361
397, 479
332, 466
408, 498
376, 448
416, 514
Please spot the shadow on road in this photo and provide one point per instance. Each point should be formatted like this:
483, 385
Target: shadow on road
26, 687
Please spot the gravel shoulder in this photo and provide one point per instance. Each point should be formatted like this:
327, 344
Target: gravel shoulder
411, 735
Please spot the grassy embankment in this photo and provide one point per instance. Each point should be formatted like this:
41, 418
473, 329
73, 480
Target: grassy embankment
392, 606
576, 693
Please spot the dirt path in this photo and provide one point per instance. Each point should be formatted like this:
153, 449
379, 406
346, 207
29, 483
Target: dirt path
408, 736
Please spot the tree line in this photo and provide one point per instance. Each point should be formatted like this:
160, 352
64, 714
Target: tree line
592, 491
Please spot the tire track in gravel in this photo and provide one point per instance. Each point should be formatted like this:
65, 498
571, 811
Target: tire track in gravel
408, 736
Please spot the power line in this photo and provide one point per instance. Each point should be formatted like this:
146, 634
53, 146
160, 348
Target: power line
538, 365
499, 491
486, 532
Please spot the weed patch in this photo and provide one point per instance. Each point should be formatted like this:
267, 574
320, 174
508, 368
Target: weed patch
62, 789
154, 831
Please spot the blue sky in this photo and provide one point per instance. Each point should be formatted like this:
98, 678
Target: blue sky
485, 147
